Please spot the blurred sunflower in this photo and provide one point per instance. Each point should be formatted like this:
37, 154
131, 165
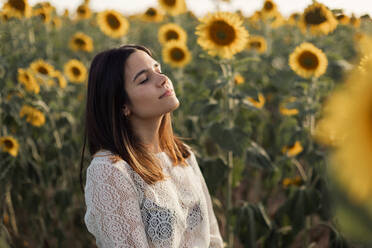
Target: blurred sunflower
297, 181
277, 20
56, 22
342, 19
365, 63
238, 79
152, 15
171, 31
269, 9
26, 78
33, 116
81, 42
75, 71
10, 145
347, 126
354, 21
42, 67
318, 19
173, 7
17, 8
294, 18
83, 12
176, 54
4, 15
288, 111
66, 13
293, 150
112, 23
307, 61
257, 43
222, 34
255, 17
43, 13
61, 79
258, 104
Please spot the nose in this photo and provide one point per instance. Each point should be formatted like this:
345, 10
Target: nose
162, 81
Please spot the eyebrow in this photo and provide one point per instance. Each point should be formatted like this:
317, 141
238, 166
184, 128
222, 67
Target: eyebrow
143, 71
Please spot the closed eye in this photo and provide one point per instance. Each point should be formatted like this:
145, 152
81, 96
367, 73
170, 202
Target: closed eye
144, 81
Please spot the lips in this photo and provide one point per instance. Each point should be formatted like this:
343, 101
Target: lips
168, 92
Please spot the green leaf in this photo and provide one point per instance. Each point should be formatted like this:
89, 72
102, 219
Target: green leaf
256, 156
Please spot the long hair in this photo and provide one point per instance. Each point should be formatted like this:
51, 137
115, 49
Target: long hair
106, 126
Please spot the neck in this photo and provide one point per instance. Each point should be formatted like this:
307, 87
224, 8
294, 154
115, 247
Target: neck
148, 132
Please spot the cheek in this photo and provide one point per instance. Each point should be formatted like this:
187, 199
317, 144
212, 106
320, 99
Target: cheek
143, 101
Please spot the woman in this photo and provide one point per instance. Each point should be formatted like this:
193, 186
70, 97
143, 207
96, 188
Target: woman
143, 186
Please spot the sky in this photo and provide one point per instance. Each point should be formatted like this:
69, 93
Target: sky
200, 7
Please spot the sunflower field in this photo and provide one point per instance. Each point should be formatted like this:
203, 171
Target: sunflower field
277, 109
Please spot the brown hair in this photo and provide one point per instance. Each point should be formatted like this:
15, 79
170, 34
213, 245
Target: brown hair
106, 127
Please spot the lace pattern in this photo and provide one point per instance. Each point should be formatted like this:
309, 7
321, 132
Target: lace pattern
123, 211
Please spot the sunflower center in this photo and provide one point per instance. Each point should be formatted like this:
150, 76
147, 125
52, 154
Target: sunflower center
113, 21
80, 42
43, 16
27, 77
42, 70
171, 35
151, 12
315, 17
268, 5
81, 10
177, 54
8, 144
75, 71
308, 60
340, 17
170, 3
18, 4
222, 33
255, 44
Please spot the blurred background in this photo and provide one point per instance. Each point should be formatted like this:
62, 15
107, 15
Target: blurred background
276, 98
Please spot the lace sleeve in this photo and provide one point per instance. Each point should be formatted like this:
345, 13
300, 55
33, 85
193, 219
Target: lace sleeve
215, 236
113, 214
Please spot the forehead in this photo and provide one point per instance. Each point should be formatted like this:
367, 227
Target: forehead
137, 61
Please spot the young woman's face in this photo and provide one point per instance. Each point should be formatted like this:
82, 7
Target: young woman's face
150, 92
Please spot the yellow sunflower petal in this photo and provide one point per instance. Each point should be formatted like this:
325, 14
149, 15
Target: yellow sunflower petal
173, 7
257, 43
171, 31
26, 78
33, 116
152, 15
308, 61
75, 71
10, 145
81, 42
176, 54
112, 23
222, 34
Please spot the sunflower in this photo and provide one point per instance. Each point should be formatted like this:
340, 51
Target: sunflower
152, 15
257, 43
277, 20
318, 19
112, 23
269, 9
26, 78
294, 18
347, 126
292, 181
66, 13
33, 116
43, 13
222, 34
75, 71
82, 42
18, 8
342, 19
258, 104
308, 60
10, 145
61, 79
293, 150
354, 21
238, 79
171, 31
288, 111
83, 12
56, 22
176, 54
41, 67
173, 7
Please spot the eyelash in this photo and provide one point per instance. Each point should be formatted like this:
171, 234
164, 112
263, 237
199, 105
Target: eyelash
148, 79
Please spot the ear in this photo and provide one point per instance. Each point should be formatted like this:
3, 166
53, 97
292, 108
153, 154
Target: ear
126, 110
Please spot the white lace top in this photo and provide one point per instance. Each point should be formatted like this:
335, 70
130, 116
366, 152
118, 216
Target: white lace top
124, 211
